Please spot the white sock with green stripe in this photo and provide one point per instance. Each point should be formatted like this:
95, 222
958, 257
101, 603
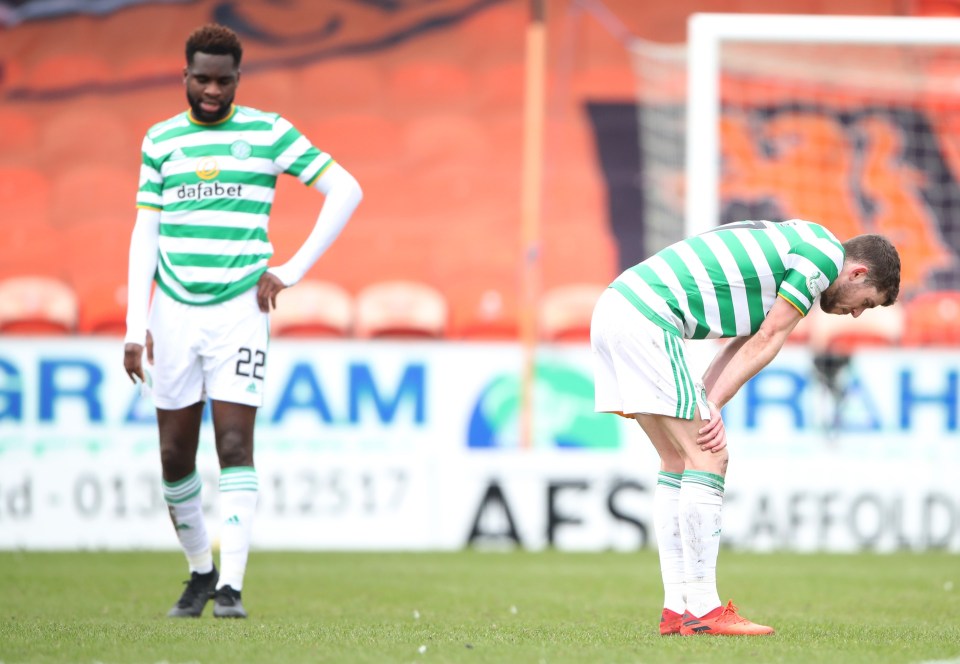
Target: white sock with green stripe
186, 511
238, 502
666, 523
701, 501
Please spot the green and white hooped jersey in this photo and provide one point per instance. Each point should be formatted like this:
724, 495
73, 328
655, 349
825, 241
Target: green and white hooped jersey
723, 282
214, 186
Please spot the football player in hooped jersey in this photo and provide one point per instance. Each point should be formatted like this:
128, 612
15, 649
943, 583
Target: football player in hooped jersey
748, 281
207, 183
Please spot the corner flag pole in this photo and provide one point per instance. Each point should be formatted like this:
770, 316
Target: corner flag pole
531, 187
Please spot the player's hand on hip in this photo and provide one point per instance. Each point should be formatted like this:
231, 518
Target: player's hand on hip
712, 436
267, 289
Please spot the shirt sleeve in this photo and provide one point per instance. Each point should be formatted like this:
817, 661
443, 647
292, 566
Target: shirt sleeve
149, 192
810, 268
296, 156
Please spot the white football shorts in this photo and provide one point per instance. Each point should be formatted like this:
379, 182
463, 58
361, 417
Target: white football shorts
638, 367
217, 351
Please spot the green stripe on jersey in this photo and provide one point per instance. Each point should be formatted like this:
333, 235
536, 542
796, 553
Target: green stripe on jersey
721, 287
740, 269
213, 232
213, 183
751, 279
203, 293
694, 297
225, 204
215, 260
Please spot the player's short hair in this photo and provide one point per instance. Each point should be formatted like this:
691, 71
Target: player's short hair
883, 261
214, 39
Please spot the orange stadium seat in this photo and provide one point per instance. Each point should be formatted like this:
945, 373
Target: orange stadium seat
102, 302
20, 134
401, 309
11, 75
25, 195
91, 193
565, 311
29, 247
932, 319
37, 305
313, 308
485, 312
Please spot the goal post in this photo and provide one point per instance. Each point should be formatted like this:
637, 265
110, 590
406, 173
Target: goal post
709, 34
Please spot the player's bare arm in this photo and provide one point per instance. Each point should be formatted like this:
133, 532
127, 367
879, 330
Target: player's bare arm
752, 356
756, 352
718, 438
720, 361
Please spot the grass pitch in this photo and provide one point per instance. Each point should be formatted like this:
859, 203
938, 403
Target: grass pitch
476, 607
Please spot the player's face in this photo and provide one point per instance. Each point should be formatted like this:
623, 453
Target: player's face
211, 82
849, 297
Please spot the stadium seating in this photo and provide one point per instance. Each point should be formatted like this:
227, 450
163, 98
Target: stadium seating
401, 309
37, 305
313, 308
103, 304
484, 311
21, 132
932, 318
565, 311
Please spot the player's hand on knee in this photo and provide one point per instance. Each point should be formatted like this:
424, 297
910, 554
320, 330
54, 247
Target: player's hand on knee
712, 436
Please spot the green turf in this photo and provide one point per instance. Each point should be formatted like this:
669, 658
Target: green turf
475, 607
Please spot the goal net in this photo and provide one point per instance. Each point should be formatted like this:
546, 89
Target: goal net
853, 122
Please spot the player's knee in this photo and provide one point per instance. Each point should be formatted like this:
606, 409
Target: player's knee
235, 448
175, 463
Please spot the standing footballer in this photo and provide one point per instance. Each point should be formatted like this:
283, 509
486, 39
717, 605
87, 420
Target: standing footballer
207, 183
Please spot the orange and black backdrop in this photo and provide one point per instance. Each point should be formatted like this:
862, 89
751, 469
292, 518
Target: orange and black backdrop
421, 99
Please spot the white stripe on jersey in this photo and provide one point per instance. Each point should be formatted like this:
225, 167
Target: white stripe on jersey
652, 300
805, 252
737, 295
711, 309
768, 284
670, 280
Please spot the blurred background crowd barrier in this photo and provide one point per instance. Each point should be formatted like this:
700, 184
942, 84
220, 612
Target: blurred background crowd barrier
397, 392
